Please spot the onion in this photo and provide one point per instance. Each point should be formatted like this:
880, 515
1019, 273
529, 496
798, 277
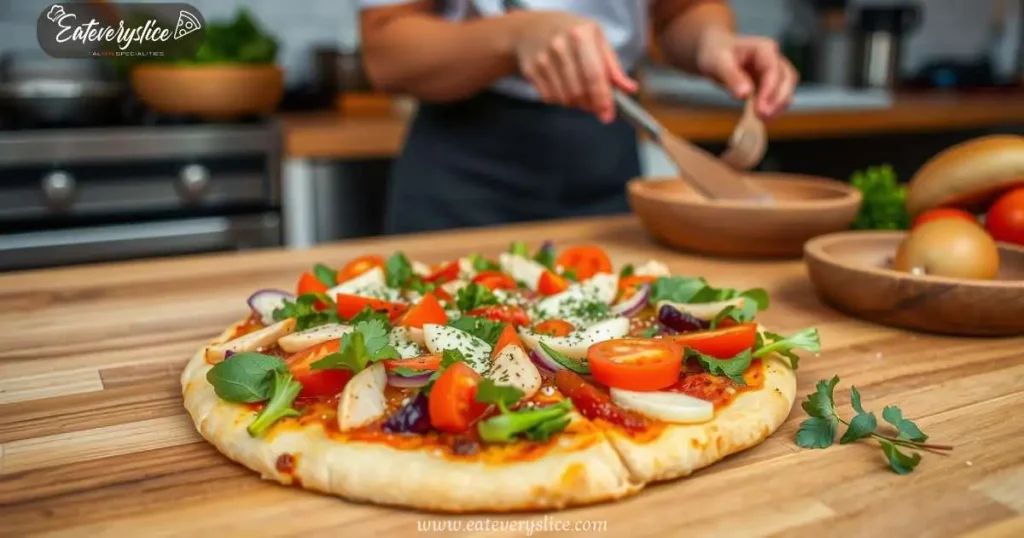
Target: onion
544, 362
413, 417
635, 302
678, 321
264, 302
415, 381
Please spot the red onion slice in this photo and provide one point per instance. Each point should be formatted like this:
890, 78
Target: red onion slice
413, 382
264, 302
544, 362
635, 303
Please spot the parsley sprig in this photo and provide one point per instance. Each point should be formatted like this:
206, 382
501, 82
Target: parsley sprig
366, 344
819, 431
473, 296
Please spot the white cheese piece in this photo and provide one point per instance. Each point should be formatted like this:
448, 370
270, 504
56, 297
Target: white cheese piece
452, 287
705, 311
576, 344
371, 284
667, 406
513, 368
311, 337
652, 268
362, 401
253, 341
466, 269
521, 269
441, 337
420, 269
601, 288
405, 342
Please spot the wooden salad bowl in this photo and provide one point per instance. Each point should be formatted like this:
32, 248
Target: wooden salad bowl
804, 207
850, 271
216, 92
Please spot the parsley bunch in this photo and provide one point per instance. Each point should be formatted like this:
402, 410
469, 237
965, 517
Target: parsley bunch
884, 205
820, 430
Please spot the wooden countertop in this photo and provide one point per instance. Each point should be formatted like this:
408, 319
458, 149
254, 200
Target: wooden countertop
94, 440
379, 134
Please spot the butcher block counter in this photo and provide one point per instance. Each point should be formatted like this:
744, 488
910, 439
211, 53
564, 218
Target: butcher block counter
94, 440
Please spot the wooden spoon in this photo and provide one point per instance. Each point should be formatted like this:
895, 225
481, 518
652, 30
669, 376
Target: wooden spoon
749, 141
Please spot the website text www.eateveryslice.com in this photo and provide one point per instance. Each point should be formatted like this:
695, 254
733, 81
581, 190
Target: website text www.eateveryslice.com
521, 526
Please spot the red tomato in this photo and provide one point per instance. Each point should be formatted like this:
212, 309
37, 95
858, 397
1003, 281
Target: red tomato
350, 305
452, 403
427, 362
555, 327
585, 260
643, 364
495, 280
723, 343
594, 403
428, 310
509, 337
629, 284
309, 283
359, 266
317, 383
446, 273
1005, 219
943, 213
506, 314
550, 283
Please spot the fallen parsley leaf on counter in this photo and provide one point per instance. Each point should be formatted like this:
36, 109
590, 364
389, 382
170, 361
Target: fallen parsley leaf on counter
819, 431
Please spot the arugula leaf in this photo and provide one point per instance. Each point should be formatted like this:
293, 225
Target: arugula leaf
473, 296
732, 368
405, 371
546, 257
627, 270
244, 377
397, 270
284, 390
758, 295
481, 264
326, 275
807, 339
570, 274
367, 343
543, 431
816, 432
676, 289
500, 395
482, 328
907, 429
519, 248
741, 314
567, 363
304, 310
651, 332
531, 423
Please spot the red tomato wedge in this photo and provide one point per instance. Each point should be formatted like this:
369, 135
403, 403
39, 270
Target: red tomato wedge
428, 310
425, 363
506, 314
509, 337
585, 260
350, 305
550, 283
495, 280
594, 403
452, 404
641, 364
446, 273
359, 266
317, 383
722, 343
554, 327
309, 283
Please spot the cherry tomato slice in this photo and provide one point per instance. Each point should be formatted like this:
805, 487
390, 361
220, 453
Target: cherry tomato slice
514, 315
585, 260
425, 363
350, 305
359, 266
641, 364
943, 213
554, 327
452, 403
723, 343
550, 283
446, 273
309, 283
427, 310
509, 337
317, 383
595, 404
495, 280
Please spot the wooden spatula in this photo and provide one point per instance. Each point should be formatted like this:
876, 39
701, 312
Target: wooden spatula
708, 175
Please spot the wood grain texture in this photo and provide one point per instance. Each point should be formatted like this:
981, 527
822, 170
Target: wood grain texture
372, 134
123, 459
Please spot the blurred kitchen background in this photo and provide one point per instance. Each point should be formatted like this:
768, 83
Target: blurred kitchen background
94, 167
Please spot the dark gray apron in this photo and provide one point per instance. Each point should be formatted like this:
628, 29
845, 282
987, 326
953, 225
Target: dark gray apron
492, 159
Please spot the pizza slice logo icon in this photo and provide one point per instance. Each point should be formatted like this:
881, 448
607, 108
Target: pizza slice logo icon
187, 23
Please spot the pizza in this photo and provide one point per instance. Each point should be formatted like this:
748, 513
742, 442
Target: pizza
530, 381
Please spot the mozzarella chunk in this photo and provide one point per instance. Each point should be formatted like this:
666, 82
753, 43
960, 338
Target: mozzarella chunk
653, 268
673, 407
371, 284
441, 337
521, 269
466, 269
253, 341
601, 288
576, 344
362, 401
452, 287
513, 368
311, 337
403, 340
420, 268
705, 311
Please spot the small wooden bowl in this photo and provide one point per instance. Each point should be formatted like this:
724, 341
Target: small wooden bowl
805, 207
850, 272
217, 92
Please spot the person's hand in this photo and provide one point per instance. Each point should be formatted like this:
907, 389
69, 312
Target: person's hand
569, 61
743, 64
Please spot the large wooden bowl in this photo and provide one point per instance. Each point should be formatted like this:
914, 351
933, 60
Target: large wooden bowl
850, 272
804, 207
209, 91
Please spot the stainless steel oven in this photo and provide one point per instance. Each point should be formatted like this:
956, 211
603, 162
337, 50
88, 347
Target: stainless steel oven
151, 188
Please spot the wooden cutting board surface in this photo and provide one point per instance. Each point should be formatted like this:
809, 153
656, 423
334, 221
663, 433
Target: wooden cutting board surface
94, 440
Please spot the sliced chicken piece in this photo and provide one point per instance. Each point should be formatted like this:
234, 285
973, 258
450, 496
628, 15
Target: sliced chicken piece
362, 401
253, 341
311, 337
513, 368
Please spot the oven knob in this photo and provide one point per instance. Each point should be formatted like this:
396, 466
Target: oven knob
59, 188
194, 179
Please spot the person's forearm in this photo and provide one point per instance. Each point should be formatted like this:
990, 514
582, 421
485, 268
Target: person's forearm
438, 60
680, 25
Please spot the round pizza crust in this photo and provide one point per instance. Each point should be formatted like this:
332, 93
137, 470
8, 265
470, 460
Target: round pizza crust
586, 467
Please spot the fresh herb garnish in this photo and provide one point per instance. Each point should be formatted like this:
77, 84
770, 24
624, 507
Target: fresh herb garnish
651, 331
487, 330
767, 342
473, 296
537, 424
744, 313
679, 289
254, 377
420, 286
367, 343
519, 248
571, 275
627, 270
397, 270
481, 264
405, 371
566, 362
369, 314
326, 275
448, 358
546, 256
309, 310
732, 368
819, 431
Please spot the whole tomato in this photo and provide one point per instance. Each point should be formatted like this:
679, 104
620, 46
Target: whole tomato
943, 213
1005, 219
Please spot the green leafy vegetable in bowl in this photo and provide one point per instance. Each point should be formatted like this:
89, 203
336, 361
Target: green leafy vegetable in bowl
884, 205
238, 41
